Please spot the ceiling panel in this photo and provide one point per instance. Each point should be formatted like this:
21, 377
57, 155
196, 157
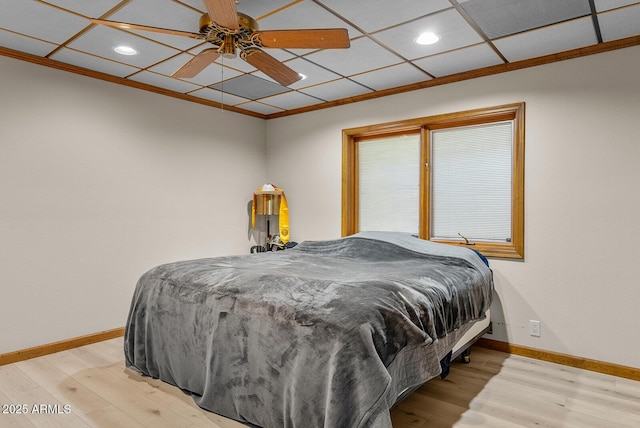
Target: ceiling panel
381, 14
313, 73
218, 96
91, 9
390, 77
499, 18
449, 25
552, 39
258, 9
363, 55
460, 60
260, 108
250, 87
383, 56
102, 40
171, 15
161, 81
18, 42
337, 89
305, 14
602, 5
619, 23
290, 100
159, 14
39, 20
70, 56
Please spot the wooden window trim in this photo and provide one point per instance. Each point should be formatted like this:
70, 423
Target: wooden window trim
350, 138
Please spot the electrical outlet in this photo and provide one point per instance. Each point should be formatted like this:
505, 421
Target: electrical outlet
534, 328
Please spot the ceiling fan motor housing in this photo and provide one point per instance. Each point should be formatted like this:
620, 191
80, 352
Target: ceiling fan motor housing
246, 23
226, 39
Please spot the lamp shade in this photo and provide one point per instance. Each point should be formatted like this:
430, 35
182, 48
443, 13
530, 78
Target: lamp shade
268, 202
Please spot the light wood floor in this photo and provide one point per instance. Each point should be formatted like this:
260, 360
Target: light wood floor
90, 387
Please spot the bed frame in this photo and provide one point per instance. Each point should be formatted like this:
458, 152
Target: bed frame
479, 329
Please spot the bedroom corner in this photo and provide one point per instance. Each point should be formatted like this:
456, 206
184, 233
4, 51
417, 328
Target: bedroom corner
99, 183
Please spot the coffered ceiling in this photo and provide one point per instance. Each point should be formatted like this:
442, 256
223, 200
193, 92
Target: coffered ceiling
476, 37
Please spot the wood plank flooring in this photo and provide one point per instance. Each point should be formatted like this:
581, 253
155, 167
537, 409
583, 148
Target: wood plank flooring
90, 387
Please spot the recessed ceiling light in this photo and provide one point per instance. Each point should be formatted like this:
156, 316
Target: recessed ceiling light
302, 76
427, 38
125, 50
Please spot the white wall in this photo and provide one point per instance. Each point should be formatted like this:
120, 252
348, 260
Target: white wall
582, 204
100, 182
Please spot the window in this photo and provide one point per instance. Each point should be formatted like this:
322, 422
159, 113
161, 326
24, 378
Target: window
455, 178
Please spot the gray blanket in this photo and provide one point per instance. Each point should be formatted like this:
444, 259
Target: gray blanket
305, 337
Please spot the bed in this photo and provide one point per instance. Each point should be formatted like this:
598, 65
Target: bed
327, 334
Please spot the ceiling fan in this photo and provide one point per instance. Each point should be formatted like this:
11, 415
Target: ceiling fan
231, 32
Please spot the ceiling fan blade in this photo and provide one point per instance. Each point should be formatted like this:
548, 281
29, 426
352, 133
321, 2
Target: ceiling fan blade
328, 38
127, 26
223, 13
271, 66
197, 64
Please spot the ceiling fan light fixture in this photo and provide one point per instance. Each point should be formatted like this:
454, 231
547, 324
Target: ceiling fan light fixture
427, 38
125, 50
228, 48
229, 53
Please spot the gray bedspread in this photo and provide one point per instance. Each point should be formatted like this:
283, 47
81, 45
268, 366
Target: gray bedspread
306, 337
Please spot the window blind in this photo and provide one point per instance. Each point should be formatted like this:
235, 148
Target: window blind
389, 184
471, 173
